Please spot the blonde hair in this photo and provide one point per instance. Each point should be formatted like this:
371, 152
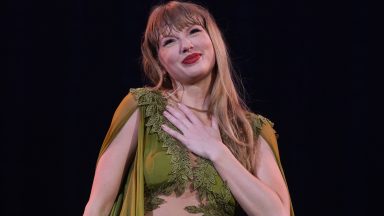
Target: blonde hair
225, 103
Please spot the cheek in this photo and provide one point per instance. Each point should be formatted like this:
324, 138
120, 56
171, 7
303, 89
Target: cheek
167, 57
210, 50
207, 44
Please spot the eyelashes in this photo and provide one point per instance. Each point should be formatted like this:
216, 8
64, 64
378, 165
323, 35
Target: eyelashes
195, 30
171, 40
166, 42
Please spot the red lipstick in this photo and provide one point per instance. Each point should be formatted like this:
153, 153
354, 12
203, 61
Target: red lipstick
191, 58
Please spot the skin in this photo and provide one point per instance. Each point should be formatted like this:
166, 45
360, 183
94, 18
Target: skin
261, 193
173, 48
110, 168
194, 78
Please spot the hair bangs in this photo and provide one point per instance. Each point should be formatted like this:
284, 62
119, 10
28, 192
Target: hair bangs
173, 17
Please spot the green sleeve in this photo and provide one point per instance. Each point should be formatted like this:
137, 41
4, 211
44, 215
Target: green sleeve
130, 198
126, 108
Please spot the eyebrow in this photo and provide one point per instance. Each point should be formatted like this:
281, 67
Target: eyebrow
172, 35
168, 35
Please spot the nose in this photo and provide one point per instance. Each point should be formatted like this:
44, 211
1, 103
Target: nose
186, 46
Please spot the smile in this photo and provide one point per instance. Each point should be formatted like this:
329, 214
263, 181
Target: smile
192, 58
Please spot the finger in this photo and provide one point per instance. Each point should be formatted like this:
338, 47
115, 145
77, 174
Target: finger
215, 125
180, 125
178, 114
173, 133
191, 116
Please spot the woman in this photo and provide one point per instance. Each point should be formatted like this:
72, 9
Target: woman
188, 145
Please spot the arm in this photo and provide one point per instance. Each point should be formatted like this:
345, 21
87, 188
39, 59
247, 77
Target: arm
110, 168
265, 192
262, 193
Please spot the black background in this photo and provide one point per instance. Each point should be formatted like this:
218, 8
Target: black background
304, 65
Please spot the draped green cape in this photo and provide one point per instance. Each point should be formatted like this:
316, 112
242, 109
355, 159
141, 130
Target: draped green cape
130, 198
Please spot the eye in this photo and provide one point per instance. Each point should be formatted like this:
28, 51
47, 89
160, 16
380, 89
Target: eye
195, 30
168, 41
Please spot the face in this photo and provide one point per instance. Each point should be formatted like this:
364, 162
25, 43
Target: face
188, 55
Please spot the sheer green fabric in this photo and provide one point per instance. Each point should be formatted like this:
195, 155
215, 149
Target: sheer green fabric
162, 165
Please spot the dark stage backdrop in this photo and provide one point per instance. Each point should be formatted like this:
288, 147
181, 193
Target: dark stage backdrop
304, 65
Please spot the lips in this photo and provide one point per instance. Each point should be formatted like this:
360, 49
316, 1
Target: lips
191, 58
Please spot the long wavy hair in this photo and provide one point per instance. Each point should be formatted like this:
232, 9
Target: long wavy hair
225, 103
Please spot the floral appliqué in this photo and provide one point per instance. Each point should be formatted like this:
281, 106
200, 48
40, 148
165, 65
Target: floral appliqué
215, 200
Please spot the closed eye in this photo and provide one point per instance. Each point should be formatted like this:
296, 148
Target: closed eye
168, 41
195, 30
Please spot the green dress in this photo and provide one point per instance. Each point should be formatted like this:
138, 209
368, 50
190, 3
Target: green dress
162, 165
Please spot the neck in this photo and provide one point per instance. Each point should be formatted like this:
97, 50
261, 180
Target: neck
195, 95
